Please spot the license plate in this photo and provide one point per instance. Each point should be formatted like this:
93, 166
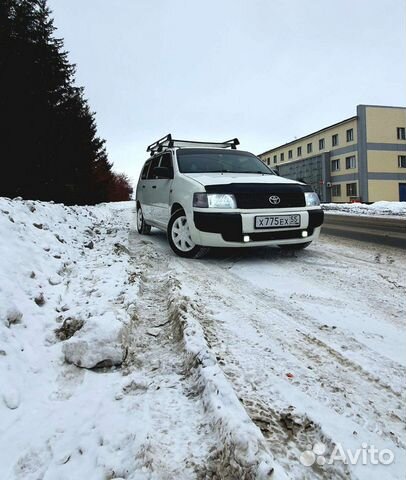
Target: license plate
277, 221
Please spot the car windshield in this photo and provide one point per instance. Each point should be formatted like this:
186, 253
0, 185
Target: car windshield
200, 160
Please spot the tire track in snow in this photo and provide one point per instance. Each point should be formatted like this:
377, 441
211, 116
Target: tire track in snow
342, 388
330, 340
370, 400
164, 328
181, 441
287, 432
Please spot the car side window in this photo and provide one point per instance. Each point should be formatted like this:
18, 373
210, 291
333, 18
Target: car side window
166, 161
154, 163
145, 170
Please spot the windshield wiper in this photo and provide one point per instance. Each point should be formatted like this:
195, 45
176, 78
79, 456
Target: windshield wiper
258, 171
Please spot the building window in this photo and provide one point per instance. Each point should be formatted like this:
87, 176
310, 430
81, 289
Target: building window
336, 191
401, 133
335, 165
321, 144
282, 157
350, 135
350, 162
309, 148
351, 189
290, 154
334, 139
275, 159
299, 151
402, 161
268, 161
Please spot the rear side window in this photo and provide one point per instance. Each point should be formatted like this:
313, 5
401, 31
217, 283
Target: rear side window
145, 170
166, 161
154, 163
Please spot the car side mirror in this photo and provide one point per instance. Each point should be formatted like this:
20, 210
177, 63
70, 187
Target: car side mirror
162, 172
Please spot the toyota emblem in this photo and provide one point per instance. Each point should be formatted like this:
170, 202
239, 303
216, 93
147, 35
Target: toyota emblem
274, 199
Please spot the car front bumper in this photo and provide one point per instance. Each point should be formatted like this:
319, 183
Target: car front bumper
236, 229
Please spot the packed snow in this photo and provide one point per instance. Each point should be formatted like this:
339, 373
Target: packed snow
119, 360
378, 208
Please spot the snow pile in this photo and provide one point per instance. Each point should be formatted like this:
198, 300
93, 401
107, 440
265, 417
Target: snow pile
377, 208
97, 344
40, 244
62, 300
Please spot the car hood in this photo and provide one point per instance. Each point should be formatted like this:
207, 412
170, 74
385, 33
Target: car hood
227, 178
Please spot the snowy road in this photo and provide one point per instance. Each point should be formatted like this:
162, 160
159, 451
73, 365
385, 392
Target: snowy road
389, 231
312, 343
119, 360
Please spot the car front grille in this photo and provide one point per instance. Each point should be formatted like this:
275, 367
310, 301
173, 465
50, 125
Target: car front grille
257, 195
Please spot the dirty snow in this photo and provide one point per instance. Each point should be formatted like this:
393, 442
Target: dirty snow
119, 360
378, 208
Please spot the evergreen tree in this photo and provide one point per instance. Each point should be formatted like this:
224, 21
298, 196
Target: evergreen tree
49, 147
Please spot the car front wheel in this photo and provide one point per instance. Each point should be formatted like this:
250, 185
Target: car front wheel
180, 239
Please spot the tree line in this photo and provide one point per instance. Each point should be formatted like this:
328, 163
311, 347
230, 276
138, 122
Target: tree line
49, 147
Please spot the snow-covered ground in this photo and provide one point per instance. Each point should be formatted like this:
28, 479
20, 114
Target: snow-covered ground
378, 208
120, 360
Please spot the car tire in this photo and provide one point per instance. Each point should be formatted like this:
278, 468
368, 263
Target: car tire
179, 237
295, 246
142, 226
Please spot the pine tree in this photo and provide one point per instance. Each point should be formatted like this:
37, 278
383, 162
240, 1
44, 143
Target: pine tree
49, 146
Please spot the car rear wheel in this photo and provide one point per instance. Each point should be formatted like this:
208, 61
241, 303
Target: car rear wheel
180, 239
142, 227
295, 246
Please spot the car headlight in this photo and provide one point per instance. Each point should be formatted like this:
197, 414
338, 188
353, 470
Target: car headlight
214, 200
312, 199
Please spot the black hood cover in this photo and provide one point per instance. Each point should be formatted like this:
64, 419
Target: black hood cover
256, 195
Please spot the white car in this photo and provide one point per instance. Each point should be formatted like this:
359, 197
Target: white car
213, 195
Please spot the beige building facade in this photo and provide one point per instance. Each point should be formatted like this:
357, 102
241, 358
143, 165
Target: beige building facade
360, 158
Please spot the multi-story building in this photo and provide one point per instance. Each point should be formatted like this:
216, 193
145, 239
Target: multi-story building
360, 158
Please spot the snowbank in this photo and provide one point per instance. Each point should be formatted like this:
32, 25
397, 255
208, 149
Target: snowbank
40, 243
62, 301
377, 208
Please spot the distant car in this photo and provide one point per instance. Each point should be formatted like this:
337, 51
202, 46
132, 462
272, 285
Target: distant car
213, 195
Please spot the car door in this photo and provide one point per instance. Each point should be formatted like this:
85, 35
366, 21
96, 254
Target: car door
141, 186
161, 191
149, 190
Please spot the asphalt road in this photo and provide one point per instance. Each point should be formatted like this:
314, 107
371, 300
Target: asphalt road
384, 231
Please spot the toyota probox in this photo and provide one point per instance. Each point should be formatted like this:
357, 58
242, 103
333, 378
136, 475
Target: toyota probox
206, 194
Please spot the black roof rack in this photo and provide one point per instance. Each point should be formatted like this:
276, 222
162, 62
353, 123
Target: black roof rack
169, 142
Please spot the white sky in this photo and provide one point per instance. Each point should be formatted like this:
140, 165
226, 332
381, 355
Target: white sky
265, 71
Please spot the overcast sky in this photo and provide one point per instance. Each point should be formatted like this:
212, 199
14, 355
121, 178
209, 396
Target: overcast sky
266, 71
